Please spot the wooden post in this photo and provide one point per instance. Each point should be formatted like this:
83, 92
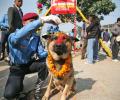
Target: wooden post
75, 31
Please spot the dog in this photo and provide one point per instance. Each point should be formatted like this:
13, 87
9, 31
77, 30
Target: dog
59, 62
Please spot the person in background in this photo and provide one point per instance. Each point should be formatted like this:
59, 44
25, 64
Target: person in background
106, 36
93, 33
83, 43
102, 32
115, 43
15, 15
3, 35
23, 45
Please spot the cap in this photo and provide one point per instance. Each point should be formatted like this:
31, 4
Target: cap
28, 16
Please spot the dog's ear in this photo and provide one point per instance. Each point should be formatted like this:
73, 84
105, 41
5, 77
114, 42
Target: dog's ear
46, 36
74, 39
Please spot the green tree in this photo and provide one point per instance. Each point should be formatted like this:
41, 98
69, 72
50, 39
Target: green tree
97, 7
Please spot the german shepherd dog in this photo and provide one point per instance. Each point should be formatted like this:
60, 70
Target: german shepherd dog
59, 62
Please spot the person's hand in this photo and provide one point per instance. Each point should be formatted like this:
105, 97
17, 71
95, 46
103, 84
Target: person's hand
49, 18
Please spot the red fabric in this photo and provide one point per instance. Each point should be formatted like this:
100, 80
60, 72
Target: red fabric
28, 16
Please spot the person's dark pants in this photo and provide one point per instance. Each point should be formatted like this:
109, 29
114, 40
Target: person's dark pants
115, 50
14, 83
4, 40
83, 48
115, 46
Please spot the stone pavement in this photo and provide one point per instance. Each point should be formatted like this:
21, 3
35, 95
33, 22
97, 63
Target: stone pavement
99, 81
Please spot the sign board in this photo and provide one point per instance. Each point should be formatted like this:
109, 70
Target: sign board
63, 6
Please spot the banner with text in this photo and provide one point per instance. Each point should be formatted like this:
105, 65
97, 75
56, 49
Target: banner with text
63, 6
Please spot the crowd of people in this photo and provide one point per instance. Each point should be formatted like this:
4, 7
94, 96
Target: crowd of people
92, 32
18, 31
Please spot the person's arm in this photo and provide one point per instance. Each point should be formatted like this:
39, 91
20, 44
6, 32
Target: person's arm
114, 30
99, 33
89, 28
3, 22
42, 54
28, 29
31, 27
10, 17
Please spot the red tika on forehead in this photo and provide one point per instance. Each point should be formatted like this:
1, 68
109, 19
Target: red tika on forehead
59, 39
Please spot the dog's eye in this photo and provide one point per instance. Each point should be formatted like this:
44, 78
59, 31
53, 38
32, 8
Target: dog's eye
54, 38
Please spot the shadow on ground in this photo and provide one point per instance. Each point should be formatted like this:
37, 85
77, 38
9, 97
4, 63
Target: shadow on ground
82, 85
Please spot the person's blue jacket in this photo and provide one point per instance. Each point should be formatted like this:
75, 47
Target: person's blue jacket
4, 22
24, 43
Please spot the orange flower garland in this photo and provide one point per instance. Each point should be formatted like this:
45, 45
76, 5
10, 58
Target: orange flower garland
65, 67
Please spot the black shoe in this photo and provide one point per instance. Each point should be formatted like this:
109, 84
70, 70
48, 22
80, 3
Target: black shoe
38, 89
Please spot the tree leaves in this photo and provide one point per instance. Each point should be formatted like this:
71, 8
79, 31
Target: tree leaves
96, 7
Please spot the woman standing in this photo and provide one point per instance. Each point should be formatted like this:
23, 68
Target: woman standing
93, 32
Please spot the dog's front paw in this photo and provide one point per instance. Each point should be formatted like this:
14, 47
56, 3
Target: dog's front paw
63, 97
44, 98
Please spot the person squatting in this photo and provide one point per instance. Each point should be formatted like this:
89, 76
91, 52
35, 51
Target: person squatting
23, 44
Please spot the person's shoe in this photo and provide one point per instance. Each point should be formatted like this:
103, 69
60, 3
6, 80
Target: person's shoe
1, 56
38, 88
22, 96
7, 59
97, 60
115, 60
88, 63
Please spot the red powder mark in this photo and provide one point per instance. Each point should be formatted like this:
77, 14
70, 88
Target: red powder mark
59, 40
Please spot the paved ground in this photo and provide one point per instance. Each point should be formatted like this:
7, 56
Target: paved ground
100, 81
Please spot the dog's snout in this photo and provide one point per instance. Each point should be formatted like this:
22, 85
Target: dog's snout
58, 45
60, 48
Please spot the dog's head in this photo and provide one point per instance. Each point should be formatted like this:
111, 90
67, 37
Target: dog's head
59, 45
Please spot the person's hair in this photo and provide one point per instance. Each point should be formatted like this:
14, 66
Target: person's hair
95, 19
92, 16
118, 19
106, 30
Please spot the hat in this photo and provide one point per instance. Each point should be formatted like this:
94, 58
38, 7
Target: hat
28, 16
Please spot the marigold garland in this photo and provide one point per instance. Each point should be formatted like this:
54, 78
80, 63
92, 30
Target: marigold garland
65, 67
